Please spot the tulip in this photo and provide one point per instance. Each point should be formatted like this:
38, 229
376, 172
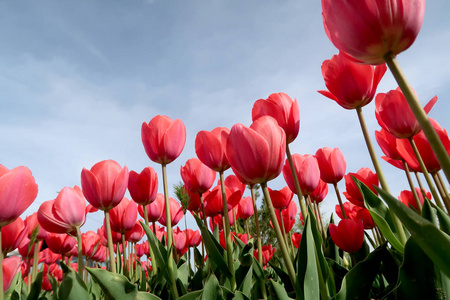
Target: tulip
288, 217
351, 210
319, 194
154, 209
244, 237
10, 267
18, 190
135, 234
352, 193
307, 170
407, 198
350, 84
163, 139
210, 147
256, 153
285, 111
245, 208
234, 184
282, 198
90, 243
197, 177
267, 254
367, 31
180, 240
12, 235
296, 239
214, 201
348, 235
193, 237
48, 257
60, 243
332, 164
123, 216
143, 187
176, 213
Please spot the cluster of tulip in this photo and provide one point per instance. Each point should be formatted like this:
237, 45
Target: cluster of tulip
256, 155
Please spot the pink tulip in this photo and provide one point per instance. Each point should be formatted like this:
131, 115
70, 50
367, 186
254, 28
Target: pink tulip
12, 235
123, 216
18, 190
163, 139
135, 234
90, 243
256, 154
234, 184
179, 237
105, 184
332, 164
31, 223
280, 107
176, 213
368, 30
10, 267
154, 209
143, 186
197, 177
60, 243
308, 173
245, 208
407, 198
210, 147
319, 194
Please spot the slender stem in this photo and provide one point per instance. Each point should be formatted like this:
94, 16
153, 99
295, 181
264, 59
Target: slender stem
441, 191
110, 243
419, 182
246, 228
375, 237
338, 195
421, 116
324, 233
447, 198
204, 222
1, 266
258, 232
227, 232
80, 252
234, 222
170, 243
284, 251
425, 173
144, 207
296, 183
124, 254
411, 186
36, 259
283, 230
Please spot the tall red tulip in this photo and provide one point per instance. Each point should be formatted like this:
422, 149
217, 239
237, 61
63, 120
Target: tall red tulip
135, 234
154, 209
245, 208
256, 153
143, 186
197, 177
407, 198
307, 170
282, 198
65, 213
281, 107
267, 252
210, 147
352, 193
350, 84
123, 216
368, 30
332, 164
18, 190
176, 213
388, 144
12, 235
234, 184
163, 139
10, 267
319, 194
348, 235
60, 243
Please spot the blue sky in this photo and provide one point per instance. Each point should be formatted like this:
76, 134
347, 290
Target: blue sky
78, 78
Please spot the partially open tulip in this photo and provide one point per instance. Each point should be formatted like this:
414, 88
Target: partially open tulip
245, 208
388, 144
105, 184
233, 183
368, 30
143, 186
350, 84
210, 147
282, 198
10, 266
289, 214
135, 234
90, 243
123, 216
332, 164
214, 202
351, 210
307, 170
319, 194
197, 177
407, 198
281, 107
394, 114
348, 235
267, 253
163, 139
12, 235
65, 213
352, 193
256, 153
176, 213
18, 190
154, 209
60, 243
296, 239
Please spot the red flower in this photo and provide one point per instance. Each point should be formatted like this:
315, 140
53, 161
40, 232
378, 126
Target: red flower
60, 243
289, 214
280, 107
197, 177
10, 267
256, 153
308, 173
234, 184
154, 209
368, 30
319, 193
282, 198
163, 139
143, 186
135, 234
332, 164
350, 84
105, 184
210, 147
193, 237
123, 216
12, 235
18, 190
180, 239
348, 235
245, 208
407, 198
296, 239
267, 254
176, 213
352, 193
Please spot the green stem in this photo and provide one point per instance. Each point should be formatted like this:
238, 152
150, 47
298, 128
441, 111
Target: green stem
35, 259
170, 244
80, 252
283, 230
324, 234
258, 232
419, 182
447, 198
338, 195
412, 187
204, 222
144, 207
124, 255
420, 114
296, 183
398, 225
227, 232
112, 263
152, 255
284, 250
441, 191
1, 266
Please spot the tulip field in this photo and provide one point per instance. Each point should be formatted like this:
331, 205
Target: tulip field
375, 245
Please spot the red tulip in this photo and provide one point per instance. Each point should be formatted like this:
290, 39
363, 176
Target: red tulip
143, 186
319, 193
352, 193
193, 237
179, 238
282, 198
154, 209
116, 236
407, 198
197, 177
163, 139
48, 257
332, 164
234, 184
194, 200
176, 213
210, 147
256, 154
363, 214
214, 202
288, 217
245, 208
142, 249
135, 234
351, 210
12, 235
65, 213
350, 84
90, 243
24, 248
388, 144
123, 216
60, 243
244, 237
267, 254
105, 184
280, 107
296, 239
18, 190
348, 235
31, 223
394, 114
308, 173
368, 30
10, 267
222, 239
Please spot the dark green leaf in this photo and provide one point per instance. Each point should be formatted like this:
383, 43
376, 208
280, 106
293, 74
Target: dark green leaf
115, 286
277, 291
72, 287
212, 289
444, 220
36, 287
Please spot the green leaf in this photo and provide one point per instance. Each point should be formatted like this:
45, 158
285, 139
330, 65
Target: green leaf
311, 275
35, 287
146, 296
191, 296
278, 291
72, 287
434, 242
380, 214
444, 220
115, 286
246, 283
212, 289
14, 287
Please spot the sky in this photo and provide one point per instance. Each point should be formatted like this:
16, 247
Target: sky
78, 79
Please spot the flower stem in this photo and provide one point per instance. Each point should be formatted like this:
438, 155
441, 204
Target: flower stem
411, 186
430, 133
338, 195
258, 232
35, 259
80, 252
144, 207
296, 183
445, 197
124, 255
227, 232
112, 263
